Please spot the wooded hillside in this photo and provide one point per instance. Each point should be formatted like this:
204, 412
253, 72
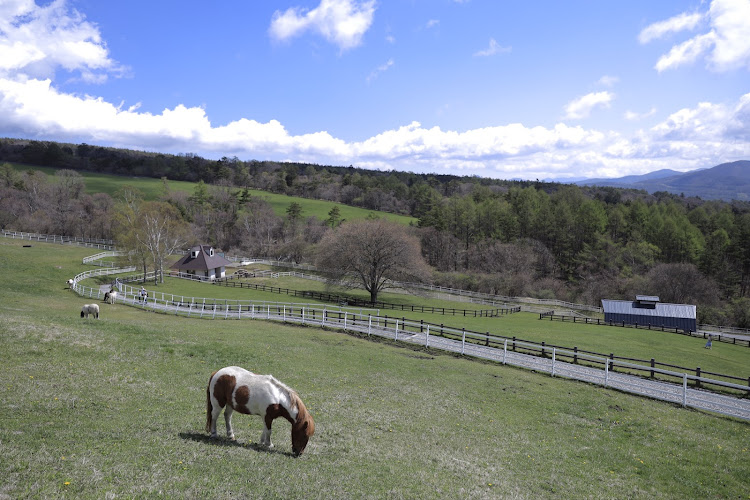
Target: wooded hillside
506, 237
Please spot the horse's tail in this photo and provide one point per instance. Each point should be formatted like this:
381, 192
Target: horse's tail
209, 407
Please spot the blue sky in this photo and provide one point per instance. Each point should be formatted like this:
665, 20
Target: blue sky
494, 88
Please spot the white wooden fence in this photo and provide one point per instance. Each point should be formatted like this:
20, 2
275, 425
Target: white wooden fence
454, 292
65, 240
463, 342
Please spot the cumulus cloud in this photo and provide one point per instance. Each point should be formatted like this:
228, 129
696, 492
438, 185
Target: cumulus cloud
582, 106
494, 48
725, 46
341, 22
31, 106
693, 137
674, 24
35, 41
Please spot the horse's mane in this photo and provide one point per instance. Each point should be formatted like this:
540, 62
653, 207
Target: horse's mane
294, 400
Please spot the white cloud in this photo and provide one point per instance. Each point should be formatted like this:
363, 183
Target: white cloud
582, 106
31, 106
707, 134
608, 81
380, 69
674, 24
686, 52
494, 48
633, 116
342, 22
36, 41
726, 45
432, 23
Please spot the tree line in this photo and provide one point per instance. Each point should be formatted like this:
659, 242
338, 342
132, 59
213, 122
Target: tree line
514, 238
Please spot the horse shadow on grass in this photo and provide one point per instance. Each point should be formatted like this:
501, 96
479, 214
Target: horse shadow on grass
222, 441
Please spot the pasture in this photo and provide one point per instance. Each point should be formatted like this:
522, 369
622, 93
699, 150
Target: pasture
116, 407
665, 347
152, 189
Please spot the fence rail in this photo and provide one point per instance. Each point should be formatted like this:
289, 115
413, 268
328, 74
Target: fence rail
583, 366
439, 289
65, 240
703, 332
327, 297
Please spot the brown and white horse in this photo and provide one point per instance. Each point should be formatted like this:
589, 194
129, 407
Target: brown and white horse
235, 388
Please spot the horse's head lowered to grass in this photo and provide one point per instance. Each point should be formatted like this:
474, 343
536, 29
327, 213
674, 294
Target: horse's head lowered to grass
303, 426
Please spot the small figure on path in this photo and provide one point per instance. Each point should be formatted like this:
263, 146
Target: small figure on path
144, 295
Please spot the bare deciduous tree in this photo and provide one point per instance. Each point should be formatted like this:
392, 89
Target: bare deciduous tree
373, 254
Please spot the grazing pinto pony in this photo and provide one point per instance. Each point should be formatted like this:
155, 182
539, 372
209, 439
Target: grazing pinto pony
110, 297
238, 389
90, 309
70, 282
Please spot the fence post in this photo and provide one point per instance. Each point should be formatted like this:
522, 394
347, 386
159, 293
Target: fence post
505, 350
606, 372
463, 340
542, 348
575, 355
427, 337
344, 320
653, 363
698, 374
611, 363
369, 324
553, 361
684, 389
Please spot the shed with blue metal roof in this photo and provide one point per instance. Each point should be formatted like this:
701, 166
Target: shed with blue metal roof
647, 310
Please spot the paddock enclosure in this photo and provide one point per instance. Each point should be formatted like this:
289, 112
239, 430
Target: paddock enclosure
117, 408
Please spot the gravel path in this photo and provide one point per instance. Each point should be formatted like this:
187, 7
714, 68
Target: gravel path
679, 394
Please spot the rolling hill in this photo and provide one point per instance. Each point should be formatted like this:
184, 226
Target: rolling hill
728, 181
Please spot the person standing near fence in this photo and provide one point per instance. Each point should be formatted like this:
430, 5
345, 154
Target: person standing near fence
710, 341
144, 295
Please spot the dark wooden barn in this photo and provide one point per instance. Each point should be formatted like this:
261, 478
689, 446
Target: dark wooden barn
647, 310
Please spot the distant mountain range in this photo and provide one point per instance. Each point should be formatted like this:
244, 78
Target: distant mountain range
728, 181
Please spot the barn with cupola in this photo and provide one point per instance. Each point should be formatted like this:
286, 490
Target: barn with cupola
203, 262
649, 311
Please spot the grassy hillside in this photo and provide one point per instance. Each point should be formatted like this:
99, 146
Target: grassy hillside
152, 189
664, 347
116, 407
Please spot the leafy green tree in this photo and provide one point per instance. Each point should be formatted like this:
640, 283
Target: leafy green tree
334, 216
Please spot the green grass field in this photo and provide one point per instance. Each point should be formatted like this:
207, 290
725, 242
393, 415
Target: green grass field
116, 408
664, 347
152, 190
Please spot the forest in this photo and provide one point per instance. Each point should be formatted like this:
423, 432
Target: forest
515, 238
